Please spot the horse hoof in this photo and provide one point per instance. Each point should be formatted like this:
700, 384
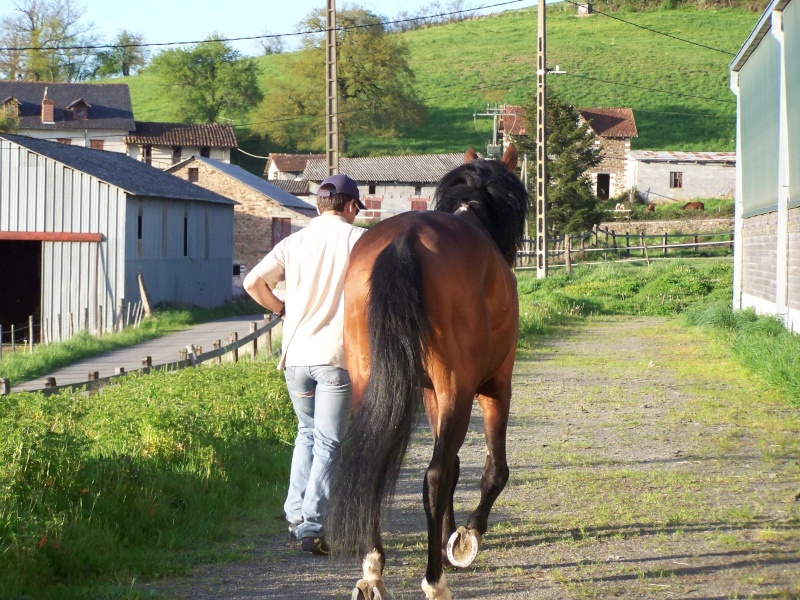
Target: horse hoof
462, 547
369, 589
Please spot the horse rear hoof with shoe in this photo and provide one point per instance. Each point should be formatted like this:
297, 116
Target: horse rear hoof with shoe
462, 547
369, 589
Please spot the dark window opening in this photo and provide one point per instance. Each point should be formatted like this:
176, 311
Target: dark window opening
194, 174
603, 186
418, 190
237, 270
21, 263
176, 154
676, 179
147, 154
205, 152
371, 189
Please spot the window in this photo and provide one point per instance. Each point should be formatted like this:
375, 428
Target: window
371, 189
418, 190
237, 270
205, 152
66, 141
194, 174
80, 112
96, 144
147, 154
419, 205
373, 208
676, 179
176, 154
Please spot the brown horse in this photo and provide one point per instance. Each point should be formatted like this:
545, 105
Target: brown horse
693, 206
431, 316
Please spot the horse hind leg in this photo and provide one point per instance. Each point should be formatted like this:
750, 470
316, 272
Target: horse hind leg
462, 547
373, 561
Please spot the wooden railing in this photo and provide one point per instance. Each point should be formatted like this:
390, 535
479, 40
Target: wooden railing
257, 341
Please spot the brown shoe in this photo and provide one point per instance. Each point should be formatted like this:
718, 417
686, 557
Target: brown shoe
316, 545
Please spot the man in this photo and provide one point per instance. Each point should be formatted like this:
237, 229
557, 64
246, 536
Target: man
313, 262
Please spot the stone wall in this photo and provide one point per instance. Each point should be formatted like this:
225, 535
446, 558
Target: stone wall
662, 227
794, 258
760, 256
252, 217
614, 162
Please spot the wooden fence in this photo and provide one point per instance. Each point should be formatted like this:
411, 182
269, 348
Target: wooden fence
257, 341
623, 245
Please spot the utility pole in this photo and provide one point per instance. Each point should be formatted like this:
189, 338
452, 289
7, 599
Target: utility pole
493, 149
541, 149
332, 105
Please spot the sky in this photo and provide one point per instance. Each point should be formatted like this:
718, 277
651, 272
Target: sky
194, 20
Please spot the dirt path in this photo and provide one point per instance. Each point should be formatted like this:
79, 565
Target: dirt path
644, 464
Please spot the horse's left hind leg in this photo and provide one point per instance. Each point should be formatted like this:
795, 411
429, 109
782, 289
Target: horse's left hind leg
463, 545
373, 560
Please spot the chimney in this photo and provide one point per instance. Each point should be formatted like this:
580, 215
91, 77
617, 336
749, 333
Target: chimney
48, 109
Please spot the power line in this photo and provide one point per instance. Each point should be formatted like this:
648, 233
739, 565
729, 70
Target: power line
259, 37
651, 30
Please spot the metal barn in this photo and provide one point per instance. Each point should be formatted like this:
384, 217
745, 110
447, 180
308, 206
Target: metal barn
765, 76
78, 225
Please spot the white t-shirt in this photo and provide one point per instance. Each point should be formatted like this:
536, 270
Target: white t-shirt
313, 263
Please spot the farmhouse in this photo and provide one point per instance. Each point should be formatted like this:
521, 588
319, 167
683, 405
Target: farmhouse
765, 76
664, 175
80, 114
78, 225
165, 144
613, 128
389, 184
288, 167
264, 215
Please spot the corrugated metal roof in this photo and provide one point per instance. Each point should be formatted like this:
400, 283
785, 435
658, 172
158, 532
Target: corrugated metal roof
213, 135
134, 177
680, 156
110, 104
424, 168
255, 182
298, 187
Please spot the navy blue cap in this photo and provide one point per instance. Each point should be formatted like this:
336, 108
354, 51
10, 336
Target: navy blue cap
340, 184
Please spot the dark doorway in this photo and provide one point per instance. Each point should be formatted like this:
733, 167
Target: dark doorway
603, 185
20, 294
281, 228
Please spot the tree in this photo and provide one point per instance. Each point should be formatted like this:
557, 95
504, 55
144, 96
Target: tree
270, 43
9, 121
52, 31
209, 80
572, 206
375, 92
126, 58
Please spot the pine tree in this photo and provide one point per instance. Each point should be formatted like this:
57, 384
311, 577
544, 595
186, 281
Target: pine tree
572, 206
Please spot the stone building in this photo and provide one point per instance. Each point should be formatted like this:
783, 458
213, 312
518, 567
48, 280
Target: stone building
165, 144
264, 214
665, 175
288, 167
613, 128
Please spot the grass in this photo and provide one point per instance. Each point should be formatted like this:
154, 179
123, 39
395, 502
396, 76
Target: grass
22, 366
151, 476
679, 92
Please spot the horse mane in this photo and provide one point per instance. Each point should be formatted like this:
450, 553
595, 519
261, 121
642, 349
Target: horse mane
494, 194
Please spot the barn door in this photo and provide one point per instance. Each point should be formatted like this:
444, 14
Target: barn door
281, 228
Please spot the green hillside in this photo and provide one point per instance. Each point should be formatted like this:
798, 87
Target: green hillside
679, 92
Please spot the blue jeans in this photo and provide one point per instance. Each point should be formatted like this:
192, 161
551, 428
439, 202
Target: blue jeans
322, 400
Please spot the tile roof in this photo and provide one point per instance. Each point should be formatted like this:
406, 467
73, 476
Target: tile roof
110, 104
213, 135
605, 122
681, 156
292, 163
298, 187
424, 168
611, 122
133, 176
255, 182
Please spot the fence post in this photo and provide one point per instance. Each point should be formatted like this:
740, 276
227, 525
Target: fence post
86, 318
13, 340
665, 243
627, 245
254, 350
235, 353
5, 386
596, 236
119, 371
94, 375
182, 354
731, 241
147, 362
217, 346
71, 325
50, 382
695, 243
30, 332
568, 253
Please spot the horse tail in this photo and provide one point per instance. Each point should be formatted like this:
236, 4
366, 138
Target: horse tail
373, 449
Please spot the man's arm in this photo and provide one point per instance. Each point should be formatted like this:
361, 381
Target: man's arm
259, 291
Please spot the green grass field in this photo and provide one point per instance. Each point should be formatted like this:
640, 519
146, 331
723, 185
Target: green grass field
679, 92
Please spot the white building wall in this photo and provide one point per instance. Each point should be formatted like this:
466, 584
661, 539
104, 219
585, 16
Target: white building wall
699, 180
113, 139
